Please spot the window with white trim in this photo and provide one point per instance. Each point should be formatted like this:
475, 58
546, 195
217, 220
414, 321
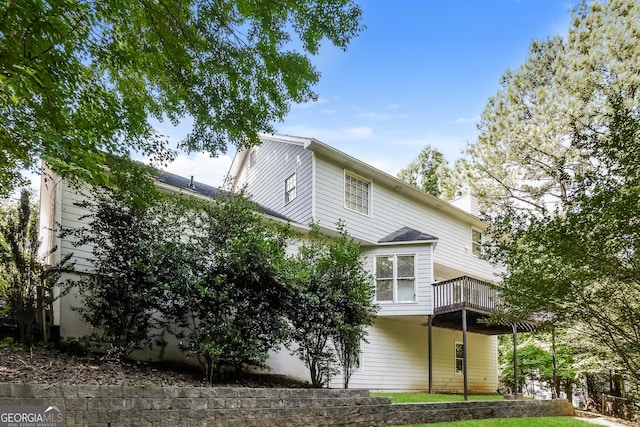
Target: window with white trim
252, 158
290, 188
395, 278
476, 242
357, 193
459, 358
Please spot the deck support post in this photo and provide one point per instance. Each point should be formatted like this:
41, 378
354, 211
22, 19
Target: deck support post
430, 333
556, 386
515, 360
464, 351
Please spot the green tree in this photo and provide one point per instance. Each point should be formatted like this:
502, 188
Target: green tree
332, 304
228, 291
529, 153
80, 80
27, 282
208, 271
120, 295
535, 363
431, 173
561, 151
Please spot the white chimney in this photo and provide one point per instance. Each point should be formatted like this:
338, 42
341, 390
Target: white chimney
468, 203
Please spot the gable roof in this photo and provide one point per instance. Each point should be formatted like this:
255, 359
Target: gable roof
358, 166
187, 185
408, 235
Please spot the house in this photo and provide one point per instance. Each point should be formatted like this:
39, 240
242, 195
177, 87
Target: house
431, 285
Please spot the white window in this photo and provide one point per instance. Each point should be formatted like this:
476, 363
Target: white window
290, 188
252, 158
395, 278
476, 242
459, 359
357, 193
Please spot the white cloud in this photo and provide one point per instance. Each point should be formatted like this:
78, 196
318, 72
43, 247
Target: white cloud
310, 104
377, 116
381, 116
207, 170
329, 136
392, 106
466, 120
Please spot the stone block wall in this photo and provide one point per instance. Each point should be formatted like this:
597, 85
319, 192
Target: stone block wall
130, 406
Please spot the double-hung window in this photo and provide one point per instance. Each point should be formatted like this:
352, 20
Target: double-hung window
357, 193
459, 358
476, 242
395, 278
290, 188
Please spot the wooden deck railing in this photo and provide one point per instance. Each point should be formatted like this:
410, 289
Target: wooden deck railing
464, 292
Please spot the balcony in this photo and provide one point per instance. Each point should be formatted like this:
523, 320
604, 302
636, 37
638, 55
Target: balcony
477, 299
464, 292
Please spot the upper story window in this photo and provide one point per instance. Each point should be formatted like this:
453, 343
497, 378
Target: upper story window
476, 242
357, 193
395, 278
252, 158
290, 188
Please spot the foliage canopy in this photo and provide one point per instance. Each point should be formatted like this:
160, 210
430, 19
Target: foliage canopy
80, 80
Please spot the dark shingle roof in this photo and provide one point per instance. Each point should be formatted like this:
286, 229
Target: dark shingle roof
406, 234
196, 187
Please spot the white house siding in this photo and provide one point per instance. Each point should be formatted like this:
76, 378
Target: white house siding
396, 359
71, 217
423, 275
482, 362
392, 210
275, 162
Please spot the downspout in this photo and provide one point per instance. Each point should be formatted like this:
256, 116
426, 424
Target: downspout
313, 187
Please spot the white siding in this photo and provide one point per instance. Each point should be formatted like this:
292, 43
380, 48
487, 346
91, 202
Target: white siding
423, 275
71, 217
392, 210
275, 162
482, 363
396, 358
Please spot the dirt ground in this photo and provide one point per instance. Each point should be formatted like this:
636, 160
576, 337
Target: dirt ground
41, 365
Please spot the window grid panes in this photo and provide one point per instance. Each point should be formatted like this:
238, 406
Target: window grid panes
406, 278
384, 278
459, 358
290, 188
356, 194
395, 278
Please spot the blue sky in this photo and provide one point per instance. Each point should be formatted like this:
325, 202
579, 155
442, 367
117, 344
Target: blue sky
421, 73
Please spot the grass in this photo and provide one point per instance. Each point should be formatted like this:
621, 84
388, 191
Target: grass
514, 422
426, 397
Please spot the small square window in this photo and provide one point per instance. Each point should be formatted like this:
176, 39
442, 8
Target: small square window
395, 278
290, 188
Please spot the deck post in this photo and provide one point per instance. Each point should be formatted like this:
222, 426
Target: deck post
464, 351
556, 386
515, 360
430, 332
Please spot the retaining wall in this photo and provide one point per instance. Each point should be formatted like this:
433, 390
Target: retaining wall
130, 406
